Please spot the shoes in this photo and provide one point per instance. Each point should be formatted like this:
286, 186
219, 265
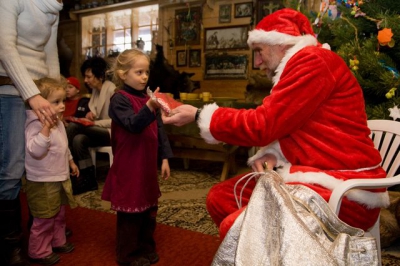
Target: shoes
85, 182
140, 262
66, 248
152, 257
52, 259
68, 232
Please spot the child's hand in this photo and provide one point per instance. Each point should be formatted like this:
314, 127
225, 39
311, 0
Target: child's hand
152, 103
165, 170
46, 128
74, 168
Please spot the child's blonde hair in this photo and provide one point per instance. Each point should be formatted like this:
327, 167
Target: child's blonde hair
47, 86
124, 62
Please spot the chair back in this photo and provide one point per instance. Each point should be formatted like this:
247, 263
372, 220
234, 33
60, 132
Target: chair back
386, 137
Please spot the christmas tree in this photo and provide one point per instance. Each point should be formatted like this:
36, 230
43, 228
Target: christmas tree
366, 34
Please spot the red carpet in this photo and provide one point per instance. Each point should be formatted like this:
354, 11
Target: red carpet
94, 239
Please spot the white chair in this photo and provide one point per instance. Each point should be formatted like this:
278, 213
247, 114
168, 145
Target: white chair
102, 149
386, 137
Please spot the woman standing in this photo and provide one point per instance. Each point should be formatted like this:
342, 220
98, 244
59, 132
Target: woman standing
28, 51
96, 132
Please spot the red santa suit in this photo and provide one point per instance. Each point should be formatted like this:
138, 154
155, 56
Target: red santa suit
314, 122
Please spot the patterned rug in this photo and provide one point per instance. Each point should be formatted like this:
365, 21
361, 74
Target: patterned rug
183, 198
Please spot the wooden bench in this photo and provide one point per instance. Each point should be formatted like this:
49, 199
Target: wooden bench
188, 147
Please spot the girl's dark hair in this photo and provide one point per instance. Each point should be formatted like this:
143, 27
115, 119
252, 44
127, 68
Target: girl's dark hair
97, 65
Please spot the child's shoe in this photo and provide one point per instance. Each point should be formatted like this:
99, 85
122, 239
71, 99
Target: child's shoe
66, 248
52, 259
152, 257
140, 262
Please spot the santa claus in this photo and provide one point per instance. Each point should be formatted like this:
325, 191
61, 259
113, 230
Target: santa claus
312, 128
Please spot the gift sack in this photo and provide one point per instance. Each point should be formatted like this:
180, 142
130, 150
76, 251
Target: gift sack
292, 225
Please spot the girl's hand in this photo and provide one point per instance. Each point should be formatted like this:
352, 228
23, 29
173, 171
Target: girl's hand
74, 168
153, 104
46, 128
165, 170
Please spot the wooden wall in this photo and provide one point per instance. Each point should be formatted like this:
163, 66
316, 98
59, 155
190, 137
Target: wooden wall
70, 29
210, 19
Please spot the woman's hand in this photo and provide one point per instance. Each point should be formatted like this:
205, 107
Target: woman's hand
43, 109
90, 116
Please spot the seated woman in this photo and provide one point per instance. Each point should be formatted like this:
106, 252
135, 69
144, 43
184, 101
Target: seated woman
95, 127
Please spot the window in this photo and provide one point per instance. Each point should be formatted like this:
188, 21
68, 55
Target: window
113, 32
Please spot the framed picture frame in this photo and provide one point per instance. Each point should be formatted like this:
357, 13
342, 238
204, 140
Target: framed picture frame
266, 7
187, 26
225, 66
195, 58
225, 13
181, 58
243, 10
234, 37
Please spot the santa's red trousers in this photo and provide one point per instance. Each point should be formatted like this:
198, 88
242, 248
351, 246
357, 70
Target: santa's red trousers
223, 209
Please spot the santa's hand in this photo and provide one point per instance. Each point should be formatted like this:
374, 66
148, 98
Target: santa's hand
181, 115
266, 162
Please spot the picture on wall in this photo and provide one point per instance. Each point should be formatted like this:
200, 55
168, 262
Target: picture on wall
234, 37
187, 25
266, 7
181, 58
225, 66
195, 58
225, 13
243, 10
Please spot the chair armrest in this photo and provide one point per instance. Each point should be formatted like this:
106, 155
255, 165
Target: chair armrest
338, 193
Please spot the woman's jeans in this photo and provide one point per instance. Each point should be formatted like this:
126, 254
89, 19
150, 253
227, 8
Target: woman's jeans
12, 145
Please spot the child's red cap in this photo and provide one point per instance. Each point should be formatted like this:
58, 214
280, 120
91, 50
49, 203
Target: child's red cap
75, 82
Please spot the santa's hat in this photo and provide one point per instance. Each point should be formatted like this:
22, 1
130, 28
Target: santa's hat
75, 82
283, 27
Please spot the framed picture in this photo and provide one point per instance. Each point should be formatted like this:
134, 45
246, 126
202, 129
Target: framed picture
181, 58
225, 13
195, 58
243, 10
266, 7
225, 66
234, 37
187, 26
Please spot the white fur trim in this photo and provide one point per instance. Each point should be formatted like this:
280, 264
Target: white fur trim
367, 198
326, 46
277, 38
273, 148
205, 121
